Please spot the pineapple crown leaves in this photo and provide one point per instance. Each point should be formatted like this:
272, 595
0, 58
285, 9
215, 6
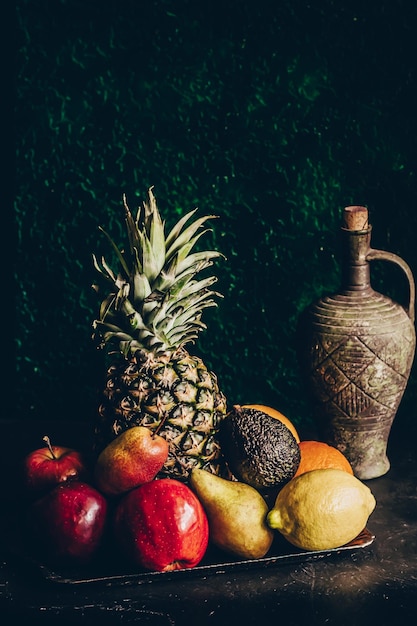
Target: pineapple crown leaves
155, 299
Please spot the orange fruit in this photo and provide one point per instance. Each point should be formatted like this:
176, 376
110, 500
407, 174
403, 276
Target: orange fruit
277, 414
320, 455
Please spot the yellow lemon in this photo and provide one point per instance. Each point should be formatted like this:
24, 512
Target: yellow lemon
322, 509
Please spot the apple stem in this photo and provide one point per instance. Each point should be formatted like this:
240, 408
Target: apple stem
48, 443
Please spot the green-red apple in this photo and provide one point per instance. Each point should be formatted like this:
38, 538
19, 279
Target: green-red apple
135, 457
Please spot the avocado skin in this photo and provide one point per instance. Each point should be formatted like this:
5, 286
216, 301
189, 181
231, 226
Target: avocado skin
259, 449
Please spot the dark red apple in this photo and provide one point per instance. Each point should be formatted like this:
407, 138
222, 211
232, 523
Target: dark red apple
133, 458
48, 466
162, 526
68, 522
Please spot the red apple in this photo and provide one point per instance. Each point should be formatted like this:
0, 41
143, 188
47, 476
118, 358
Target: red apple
48, 466
162, 526
135, 457
68, 522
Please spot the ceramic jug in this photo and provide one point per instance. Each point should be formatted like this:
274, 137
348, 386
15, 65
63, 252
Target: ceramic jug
356, 350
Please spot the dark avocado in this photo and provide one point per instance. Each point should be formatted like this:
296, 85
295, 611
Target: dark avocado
259, 449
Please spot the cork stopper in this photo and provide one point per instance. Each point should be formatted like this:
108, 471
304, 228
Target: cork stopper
355, 218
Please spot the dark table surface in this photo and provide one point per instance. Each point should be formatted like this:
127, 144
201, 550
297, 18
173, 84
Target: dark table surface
373, 584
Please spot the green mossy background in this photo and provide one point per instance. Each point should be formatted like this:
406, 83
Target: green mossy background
273, 115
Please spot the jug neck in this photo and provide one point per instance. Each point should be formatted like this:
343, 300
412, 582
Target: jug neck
355, 267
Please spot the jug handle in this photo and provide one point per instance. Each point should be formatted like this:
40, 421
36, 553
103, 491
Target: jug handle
394, 258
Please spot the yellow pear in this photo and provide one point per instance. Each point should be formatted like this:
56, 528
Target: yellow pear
236, 513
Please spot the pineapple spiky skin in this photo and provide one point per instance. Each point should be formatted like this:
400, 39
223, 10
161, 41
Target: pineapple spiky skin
150, 311
174, 395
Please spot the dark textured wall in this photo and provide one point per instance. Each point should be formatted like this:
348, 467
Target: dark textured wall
272, 115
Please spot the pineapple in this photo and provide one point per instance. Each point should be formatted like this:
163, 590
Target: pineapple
151, 310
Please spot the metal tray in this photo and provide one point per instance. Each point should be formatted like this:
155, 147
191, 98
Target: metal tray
109, 570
